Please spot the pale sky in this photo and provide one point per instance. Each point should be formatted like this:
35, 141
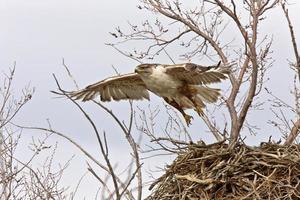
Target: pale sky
37, 34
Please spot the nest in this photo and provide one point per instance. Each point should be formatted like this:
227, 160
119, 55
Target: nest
270, 171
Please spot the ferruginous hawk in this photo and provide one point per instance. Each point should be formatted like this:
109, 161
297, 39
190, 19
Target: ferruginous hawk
183, 86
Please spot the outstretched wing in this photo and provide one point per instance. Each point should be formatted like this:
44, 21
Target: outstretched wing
127, 86
197, 74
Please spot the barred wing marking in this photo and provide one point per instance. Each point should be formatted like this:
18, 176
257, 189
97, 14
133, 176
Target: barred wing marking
127, 86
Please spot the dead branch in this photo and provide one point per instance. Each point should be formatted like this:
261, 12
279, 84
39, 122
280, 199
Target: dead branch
100, 142
294, 133
295, 130
293, 38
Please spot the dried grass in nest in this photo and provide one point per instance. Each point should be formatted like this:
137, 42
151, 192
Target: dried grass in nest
270, 171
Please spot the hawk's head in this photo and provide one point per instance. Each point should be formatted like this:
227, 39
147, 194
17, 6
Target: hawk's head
145, 69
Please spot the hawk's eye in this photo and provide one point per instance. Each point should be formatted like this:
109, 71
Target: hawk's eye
144, 66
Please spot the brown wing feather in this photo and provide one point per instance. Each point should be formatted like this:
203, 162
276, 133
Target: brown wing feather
127, 86
197, 74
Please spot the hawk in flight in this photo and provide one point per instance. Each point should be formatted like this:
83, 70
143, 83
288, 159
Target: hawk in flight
183, 86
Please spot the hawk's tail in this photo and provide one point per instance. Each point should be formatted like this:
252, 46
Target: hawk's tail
208, 95
204, 95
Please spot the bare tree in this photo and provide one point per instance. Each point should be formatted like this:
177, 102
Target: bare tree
19, 179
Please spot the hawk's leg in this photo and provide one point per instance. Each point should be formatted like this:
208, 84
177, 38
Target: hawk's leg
187, 117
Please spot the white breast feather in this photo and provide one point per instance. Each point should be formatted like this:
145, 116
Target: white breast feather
161, 83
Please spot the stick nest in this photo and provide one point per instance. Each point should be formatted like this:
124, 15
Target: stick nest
270, 171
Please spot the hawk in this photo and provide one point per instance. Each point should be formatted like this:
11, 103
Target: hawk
182, 86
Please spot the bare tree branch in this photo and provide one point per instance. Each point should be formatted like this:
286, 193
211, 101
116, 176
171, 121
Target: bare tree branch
294, 133
295, 130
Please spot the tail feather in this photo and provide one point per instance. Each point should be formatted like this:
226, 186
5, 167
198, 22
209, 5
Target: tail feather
208, 95
204, 95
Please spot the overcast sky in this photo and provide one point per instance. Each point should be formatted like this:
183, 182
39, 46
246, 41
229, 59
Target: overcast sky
37, 34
